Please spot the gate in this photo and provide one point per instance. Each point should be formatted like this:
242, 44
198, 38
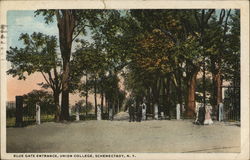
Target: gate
232, 103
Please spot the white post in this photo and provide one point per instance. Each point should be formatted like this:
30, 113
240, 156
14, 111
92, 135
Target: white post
162, 115
77, 114
223, 93
156, 111
178, 112
38, 112
221, 110
99, 116
70, 111
60, 100
144, 111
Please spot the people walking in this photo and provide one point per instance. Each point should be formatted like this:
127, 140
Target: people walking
208, 119
131, 111
200, 116
139, 113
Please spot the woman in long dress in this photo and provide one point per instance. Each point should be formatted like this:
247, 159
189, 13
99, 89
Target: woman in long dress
208, 119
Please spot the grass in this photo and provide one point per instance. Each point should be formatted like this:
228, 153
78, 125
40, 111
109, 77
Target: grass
27, 120
10, 122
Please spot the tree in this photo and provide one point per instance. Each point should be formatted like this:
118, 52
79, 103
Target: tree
71, 23
38, 55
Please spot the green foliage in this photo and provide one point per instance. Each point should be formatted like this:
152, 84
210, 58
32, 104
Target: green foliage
82, 107
43, 98
37, 55
157, 51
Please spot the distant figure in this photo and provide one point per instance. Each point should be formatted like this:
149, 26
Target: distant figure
221, 111
208, 119
131, 111
200, 116
110, 114
144, 110
139, 113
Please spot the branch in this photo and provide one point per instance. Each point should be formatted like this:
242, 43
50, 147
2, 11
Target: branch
197, 19
225, 26
51, 80
79, 31
47, 80
209, 15
222, 15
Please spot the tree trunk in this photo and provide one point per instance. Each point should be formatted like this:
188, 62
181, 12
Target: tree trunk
102, 99
65, 93
66, 24
190, 111
219, 88
87, 95
56, 101
95, 96
167, 87
179, 91
86, 99
217, 98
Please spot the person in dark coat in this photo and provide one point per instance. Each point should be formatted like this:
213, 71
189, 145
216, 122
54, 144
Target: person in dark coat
139, 113
131, 111
201, 115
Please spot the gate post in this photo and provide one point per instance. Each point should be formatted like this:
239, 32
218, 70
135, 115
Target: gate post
38, 114
77, 113
19, 111
156, 111
178, 112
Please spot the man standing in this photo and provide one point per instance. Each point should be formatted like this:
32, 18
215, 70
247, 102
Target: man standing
139, 113
132, 112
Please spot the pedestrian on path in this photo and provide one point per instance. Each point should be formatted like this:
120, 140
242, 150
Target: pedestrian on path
208, 119
139, 113
131, 111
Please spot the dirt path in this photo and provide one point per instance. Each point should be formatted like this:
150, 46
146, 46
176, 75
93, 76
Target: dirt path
123, 136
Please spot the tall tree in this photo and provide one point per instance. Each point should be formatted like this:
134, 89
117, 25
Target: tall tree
38, 55
70, 24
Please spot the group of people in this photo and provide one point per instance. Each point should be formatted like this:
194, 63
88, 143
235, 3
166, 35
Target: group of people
137, 113
203, 115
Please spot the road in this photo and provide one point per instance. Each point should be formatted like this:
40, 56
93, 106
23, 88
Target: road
119, 135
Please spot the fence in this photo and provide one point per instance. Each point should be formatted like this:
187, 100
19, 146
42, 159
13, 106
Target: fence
232, 103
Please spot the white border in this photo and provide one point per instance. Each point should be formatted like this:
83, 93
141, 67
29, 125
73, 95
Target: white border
158, 4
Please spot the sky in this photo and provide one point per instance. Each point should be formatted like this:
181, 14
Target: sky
25, 22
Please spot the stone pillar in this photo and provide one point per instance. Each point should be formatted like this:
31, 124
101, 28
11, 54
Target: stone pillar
38, 114
77, 114
178, 112
19, 111
156, 111
70, 113
221, 112
144, 111
99, 113
162, 115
